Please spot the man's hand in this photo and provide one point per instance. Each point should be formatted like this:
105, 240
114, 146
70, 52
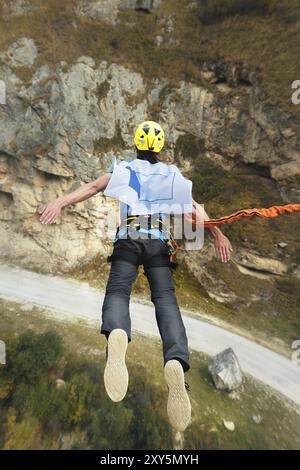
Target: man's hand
50, 212
221, 243
223, 248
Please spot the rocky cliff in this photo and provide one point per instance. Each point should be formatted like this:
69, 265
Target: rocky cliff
64, 120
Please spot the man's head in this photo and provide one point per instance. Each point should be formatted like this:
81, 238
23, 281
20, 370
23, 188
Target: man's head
149, 136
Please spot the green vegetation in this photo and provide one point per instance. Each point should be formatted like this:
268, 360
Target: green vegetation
77, 414
37, 412
114, 144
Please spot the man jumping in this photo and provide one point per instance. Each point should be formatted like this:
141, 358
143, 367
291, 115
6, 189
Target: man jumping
147, 190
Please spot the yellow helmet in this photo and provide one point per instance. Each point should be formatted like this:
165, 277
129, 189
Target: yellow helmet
149, 136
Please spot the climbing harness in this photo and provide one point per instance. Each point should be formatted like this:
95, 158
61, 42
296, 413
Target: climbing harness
149, 222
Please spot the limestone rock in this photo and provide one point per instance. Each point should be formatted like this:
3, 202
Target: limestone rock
199, 262
107, 10
98, 9
288, 132
259, 263
63, 127
60, 383
225, 371
17, 7
21, 53
48, 148
234, 395
229, 425
27, 307
290, 195
158, 40
257, 419
286, 170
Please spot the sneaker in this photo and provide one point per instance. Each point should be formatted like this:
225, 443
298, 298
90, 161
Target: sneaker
178, 405
115, 373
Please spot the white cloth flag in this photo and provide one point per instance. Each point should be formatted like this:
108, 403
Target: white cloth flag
150, 188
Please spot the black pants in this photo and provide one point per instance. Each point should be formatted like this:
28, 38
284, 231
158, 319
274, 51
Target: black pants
152, 253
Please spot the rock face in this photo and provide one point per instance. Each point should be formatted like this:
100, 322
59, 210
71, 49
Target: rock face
61, 127
225, 371
108, 9
55, 133
286, 170
198, 263
21, 53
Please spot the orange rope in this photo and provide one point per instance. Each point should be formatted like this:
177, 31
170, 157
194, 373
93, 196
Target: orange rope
268, 213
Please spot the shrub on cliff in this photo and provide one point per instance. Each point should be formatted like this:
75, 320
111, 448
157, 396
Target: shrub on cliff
214, 10
33, 356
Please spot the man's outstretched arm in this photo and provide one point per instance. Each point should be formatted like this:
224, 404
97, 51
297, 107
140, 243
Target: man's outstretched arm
222, 244
51, 211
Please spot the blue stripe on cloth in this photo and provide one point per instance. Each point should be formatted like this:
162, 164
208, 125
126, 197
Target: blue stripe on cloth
155, 232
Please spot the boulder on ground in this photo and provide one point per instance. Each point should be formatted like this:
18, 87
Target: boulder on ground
229, 425
226, 371
60, 383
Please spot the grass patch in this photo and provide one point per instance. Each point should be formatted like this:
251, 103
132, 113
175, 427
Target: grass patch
290, 287
272, 314
140, 421
114, 144
188, 147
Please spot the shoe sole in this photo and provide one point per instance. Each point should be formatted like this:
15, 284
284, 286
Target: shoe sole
116, 373
178, 405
